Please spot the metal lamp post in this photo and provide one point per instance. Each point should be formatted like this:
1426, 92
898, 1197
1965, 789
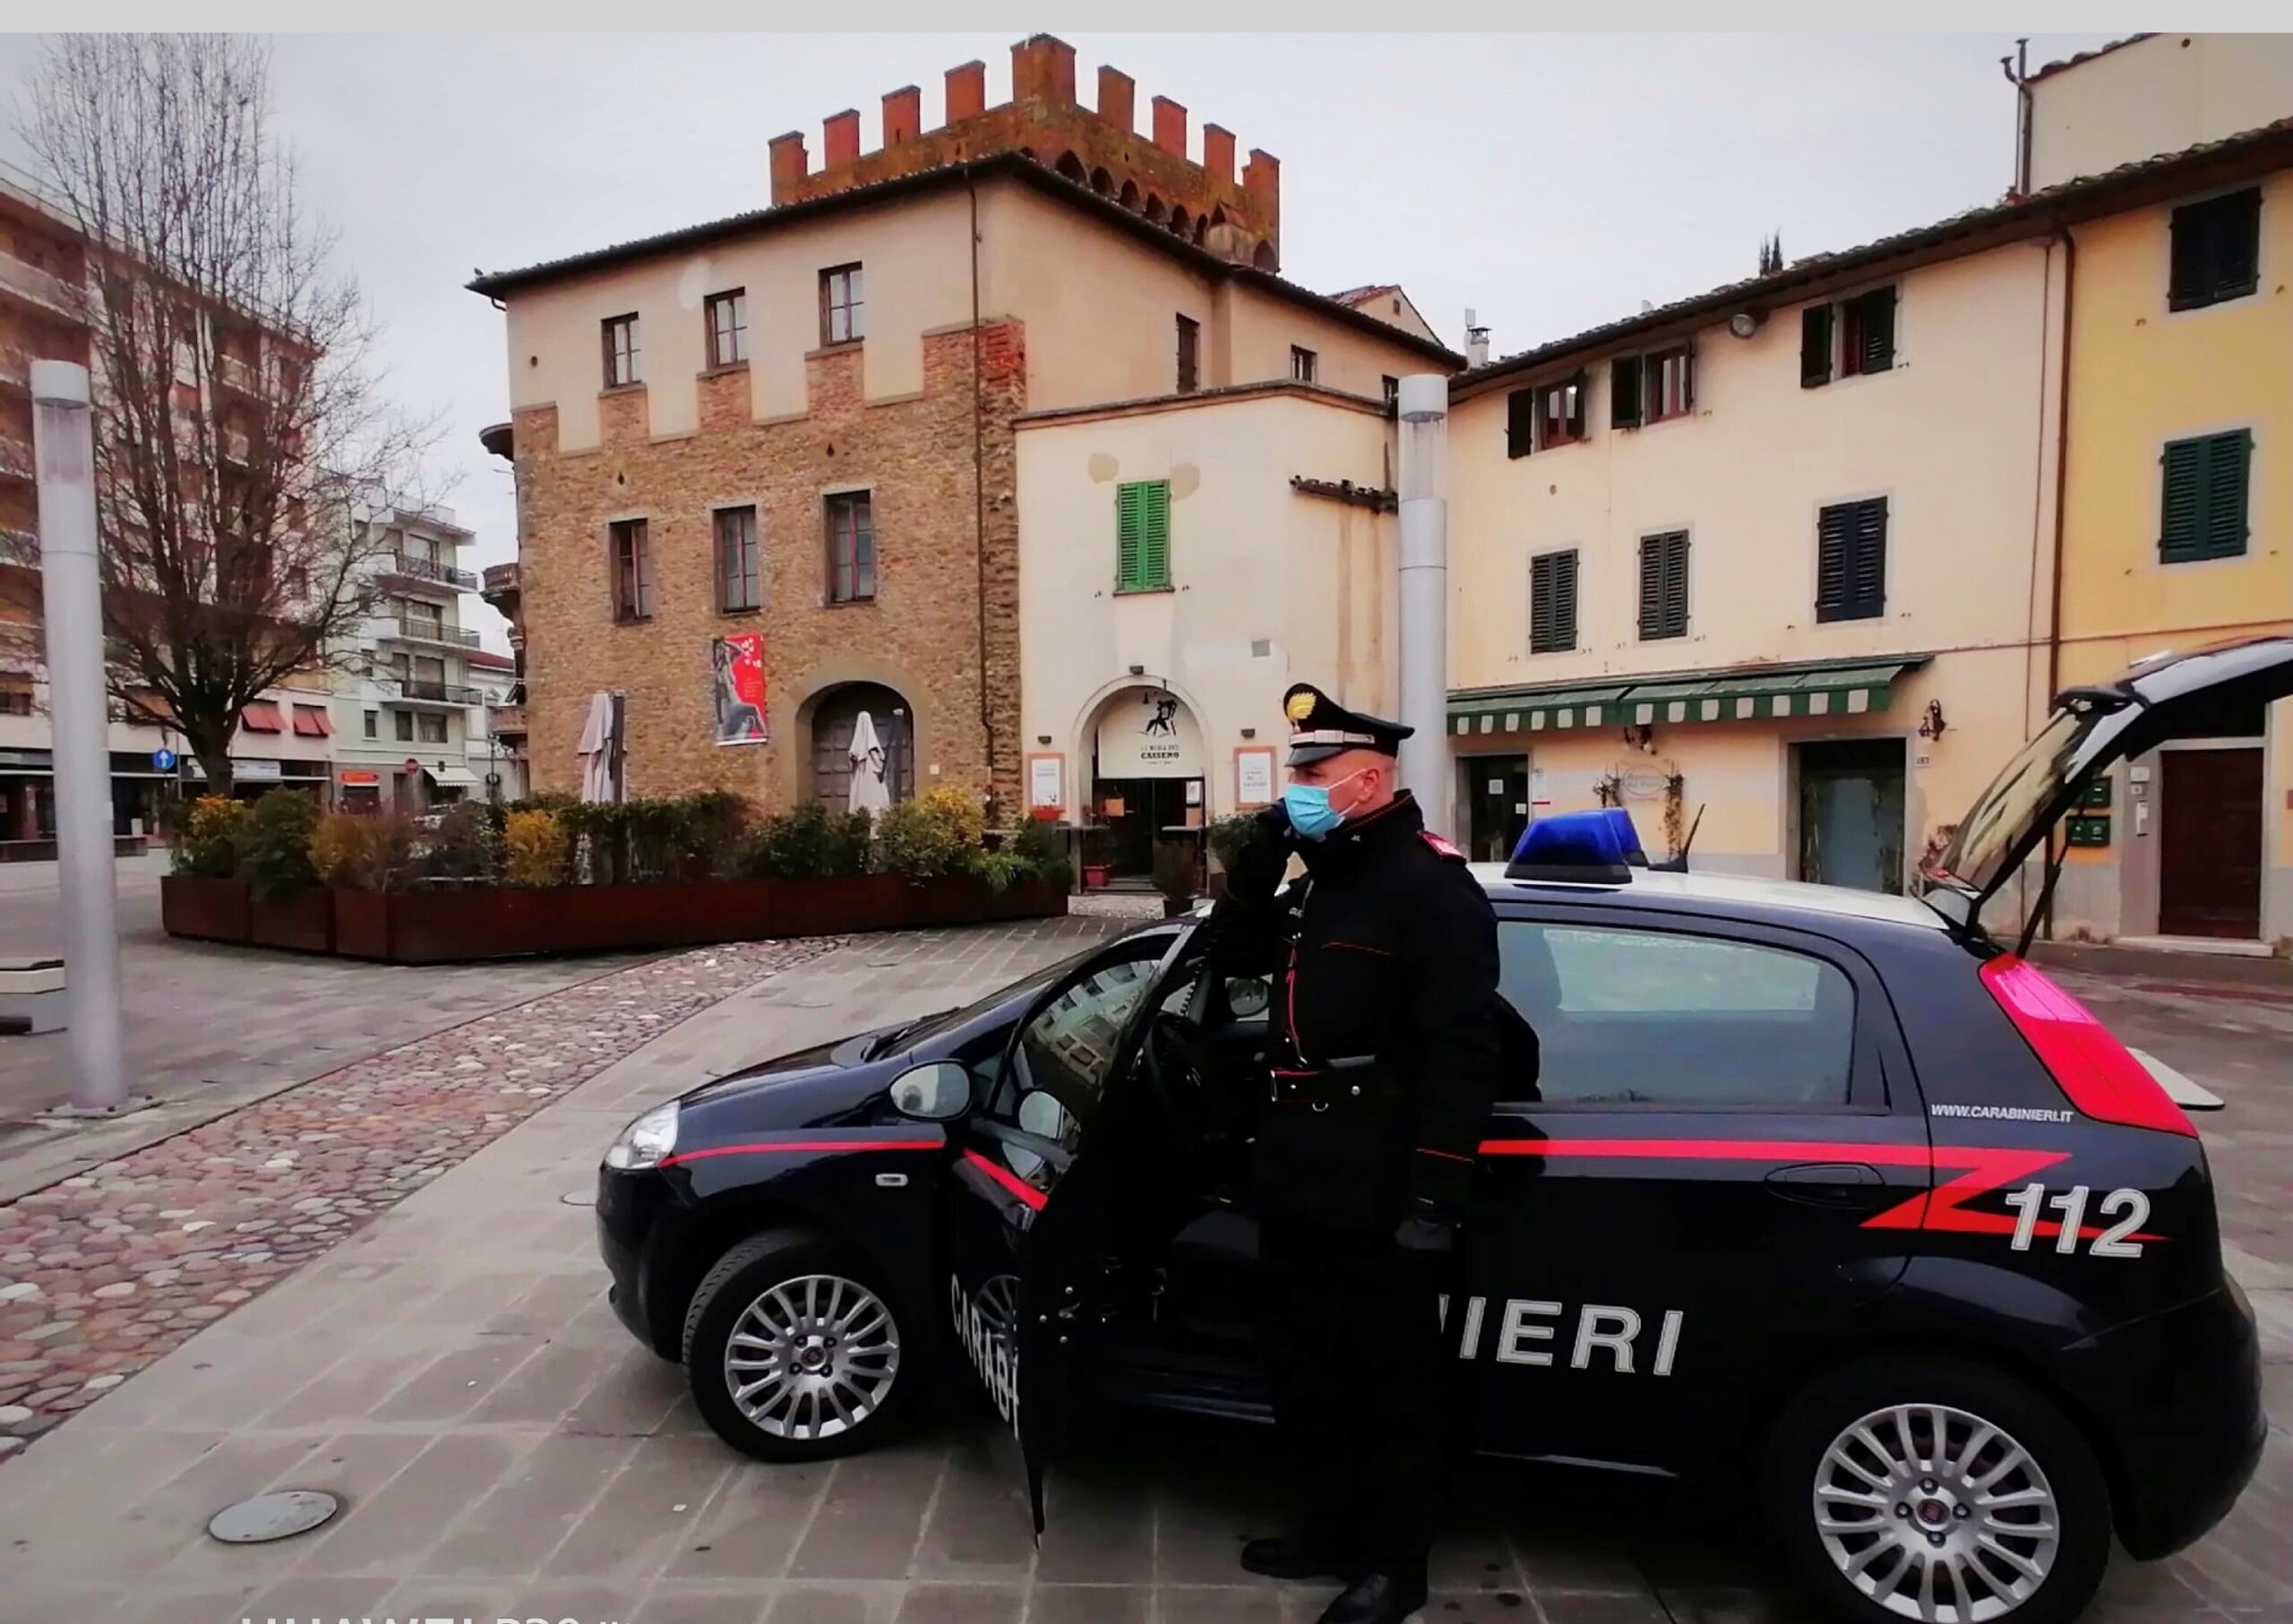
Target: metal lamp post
72, 590
1423, 408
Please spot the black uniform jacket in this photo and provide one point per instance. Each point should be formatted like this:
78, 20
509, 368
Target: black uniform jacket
1389, 1038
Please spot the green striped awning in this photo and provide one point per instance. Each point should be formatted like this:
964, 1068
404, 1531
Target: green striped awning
1756, 694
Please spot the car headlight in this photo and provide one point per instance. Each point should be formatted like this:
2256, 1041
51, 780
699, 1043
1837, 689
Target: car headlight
647, 1140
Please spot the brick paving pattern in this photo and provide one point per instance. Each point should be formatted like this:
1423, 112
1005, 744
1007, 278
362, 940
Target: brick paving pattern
101, 1274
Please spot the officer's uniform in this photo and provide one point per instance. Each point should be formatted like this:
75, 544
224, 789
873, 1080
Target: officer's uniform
1389, 1043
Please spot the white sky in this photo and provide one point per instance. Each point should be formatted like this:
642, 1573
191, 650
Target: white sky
1551, 182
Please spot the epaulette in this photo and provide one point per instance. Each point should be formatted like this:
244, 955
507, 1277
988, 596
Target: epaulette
1441, 848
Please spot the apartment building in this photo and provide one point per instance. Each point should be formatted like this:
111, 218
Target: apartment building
497, 727
772, 471
2177, 493
404, 697
1785, 555
283, 739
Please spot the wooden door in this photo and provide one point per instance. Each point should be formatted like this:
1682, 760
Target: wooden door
1851, 813
2209, 851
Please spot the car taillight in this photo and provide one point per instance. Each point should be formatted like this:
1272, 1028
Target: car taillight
2101, 1078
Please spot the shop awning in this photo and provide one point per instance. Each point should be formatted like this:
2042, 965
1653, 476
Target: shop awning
1741, 693
261, 716
461, 776
311, 722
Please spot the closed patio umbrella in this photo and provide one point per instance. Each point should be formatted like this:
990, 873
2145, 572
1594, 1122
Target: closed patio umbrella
596, 750
870, 792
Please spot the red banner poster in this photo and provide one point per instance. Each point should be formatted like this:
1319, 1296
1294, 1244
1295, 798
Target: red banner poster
737, 666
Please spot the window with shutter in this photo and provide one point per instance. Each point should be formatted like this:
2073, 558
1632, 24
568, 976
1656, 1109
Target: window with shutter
1851, 561
2216, 250
1867, 344
1815, 346
2204, 489
1663, 585
1552, 602
1142, 550
1624, 392
1520, 422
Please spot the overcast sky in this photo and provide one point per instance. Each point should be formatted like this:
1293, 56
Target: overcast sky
1550, 181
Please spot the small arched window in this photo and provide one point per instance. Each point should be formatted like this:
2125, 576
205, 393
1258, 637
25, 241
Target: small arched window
1072, 166
1154, 208
1102, 183
1181, 221
1265, 258
1130, 196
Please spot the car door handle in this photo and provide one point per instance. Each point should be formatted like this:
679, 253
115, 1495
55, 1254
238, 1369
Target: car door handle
1850, 1185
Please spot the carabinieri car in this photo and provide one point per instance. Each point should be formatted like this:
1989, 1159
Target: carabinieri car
1826, 1191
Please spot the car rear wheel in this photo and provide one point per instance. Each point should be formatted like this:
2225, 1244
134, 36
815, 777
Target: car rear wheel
793, 1352
1937, 1491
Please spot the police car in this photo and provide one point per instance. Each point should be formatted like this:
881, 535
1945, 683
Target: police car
1830, 1191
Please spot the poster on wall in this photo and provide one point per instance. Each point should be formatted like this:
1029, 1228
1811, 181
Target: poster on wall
736, 666
1253, 776
1045, 796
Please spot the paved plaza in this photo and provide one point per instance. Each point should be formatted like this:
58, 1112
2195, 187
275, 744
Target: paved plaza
505, 1450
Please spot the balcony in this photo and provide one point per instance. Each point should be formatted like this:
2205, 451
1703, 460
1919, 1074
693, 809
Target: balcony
501, 578
407, 631
16, 460
417, 690
244, 377
408, 566
508, 721
51, 294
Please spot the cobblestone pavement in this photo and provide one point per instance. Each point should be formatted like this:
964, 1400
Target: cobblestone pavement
208, 1028
503, 1449
104, 1272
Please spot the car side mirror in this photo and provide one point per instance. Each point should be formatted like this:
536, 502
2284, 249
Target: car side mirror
1246, 997
935, 1093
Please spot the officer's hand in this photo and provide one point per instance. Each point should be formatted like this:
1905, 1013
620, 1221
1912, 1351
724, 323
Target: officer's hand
1257, 868
1425, 1238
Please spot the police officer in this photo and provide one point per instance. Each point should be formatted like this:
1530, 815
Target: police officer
1390, 1042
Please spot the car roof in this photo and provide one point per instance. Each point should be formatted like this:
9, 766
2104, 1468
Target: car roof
1724, 893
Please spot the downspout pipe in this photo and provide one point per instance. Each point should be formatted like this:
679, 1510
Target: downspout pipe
1422, 418
979, 482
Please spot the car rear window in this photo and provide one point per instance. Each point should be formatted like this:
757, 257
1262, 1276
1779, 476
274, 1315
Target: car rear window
1659, 1017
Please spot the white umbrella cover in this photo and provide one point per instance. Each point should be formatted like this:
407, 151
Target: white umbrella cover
596, 750
870, 792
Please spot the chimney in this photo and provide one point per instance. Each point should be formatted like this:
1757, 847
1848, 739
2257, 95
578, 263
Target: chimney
903, 114
1042, 69
1262, 179
790, 164
1170, 125
1218, 153
1118, 103
967, 91
1476, 340
840, 139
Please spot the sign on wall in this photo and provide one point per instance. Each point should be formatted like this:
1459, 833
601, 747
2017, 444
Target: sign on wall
1046, 795
736, 670
1148, 733
1253, 776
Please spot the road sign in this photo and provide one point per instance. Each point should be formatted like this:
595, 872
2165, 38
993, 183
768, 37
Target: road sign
413, 766
164, 759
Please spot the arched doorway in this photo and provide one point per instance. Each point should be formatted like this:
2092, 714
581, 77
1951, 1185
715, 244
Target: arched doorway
834, 715
1149, 774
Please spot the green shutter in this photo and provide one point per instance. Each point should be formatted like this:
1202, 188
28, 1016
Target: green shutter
1142, 536
2203, 511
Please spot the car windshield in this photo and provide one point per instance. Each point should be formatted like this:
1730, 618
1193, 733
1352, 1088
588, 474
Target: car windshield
1986, 840
948, 1020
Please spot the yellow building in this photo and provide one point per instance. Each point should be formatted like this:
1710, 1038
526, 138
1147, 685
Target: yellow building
1786, 552
2178, 498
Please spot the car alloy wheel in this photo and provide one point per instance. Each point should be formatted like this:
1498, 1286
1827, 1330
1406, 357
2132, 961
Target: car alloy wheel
1936, 1513
811, 1358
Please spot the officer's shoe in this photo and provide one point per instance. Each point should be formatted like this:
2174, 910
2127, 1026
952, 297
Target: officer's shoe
1383, 1596
1301, 1556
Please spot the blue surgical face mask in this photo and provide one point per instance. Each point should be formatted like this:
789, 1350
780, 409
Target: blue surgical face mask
1311, 812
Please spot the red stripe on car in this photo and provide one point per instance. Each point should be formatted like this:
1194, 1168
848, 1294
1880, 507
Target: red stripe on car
803, 1147
1026, 1194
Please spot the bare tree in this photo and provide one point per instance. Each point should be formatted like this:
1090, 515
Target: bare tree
241, 429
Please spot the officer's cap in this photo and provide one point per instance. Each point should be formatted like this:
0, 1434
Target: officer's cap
1320, 727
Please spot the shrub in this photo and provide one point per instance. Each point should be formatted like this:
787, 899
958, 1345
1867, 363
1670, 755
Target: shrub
462, 845
535, 849
362, 852
930, 836
1044, 852
714, 827
209, 844
808, 843
274, 844
998, 870
1229, 835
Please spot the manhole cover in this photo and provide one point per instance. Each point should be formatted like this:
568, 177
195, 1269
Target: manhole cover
273, 1516
580, 1198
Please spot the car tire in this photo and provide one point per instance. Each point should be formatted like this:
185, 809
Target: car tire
1855, 1447
825, 1366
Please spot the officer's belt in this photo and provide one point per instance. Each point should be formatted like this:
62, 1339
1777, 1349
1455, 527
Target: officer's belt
1356, 1079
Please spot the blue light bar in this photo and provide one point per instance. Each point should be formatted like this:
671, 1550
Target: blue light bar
1628, 837
1579, 848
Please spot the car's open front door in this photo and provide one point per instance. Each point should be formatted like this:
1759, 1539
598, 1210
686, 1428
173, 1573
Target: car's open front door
1028, 1202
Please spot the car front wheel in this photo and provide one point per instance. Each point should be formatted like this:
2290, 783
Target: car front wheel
1937, 1491
794, 1353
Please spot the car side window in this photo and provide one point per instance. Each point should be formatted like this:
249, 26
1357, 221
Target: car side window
1066, 1049
1627, 1015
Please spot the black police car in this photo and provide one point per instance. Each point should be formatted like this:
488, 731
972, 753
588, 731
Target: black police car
1826, 1189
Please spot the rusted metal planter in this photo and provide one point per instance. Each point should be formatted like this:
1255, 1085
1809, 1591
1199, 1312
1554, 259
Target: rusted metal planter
205, 910
302, 922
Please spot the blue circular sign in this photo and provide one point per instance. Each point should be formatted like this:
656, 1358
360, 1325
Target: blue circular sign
164, 759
